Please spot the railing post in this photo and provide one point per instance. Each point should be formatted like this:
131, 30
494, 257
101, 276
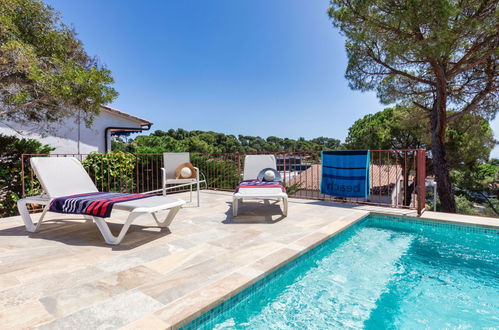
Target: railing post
284, 164
23, 193
137, 173
238, 168
421, 180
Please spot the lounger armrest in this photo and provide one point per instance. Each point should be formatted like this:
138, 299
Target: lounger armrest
38, 199
197, 172
163, 176
152, 209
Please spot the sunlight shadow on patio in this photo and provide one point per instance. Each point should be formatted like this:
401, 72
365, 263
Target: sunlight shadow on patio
255, 212
79, 232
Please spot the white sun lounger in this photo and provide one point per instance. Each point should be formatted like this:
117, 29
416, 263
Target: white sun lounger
65, 176
253, 164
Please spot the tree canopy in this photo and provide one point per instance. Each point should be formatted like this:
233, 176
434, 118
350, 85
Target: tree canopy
469, 139
407, 49
210, 142
45, 73
392, 128
440, 55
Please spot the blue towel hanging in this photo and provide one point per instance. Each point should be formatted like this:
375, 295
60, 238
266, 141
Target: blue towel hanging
345, 173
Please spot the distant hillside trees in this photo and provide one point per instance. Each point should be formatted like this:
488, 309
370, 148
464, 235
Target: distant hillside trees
212, 142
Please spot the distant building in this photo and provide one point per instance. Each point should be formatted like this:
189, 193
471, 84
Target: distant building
73, 137
291, 163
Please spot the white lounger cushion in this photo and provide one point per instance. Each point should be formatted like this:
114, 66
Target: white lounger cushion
253, 164
62, 176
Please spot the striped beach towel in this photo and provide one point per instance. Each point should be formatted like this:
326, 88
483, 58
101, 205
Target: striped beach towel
345, 173
260, 184
99, 204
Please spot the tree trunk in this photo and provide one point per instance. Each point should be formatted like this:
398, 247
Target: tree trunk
406, 176
442, 175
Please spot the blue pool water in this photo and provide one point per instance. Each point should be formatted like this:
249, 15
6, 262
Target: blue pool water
381, 273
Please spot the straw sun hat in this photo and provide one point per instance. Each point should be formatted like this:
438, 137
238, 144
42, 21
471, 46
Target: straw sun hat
185, 171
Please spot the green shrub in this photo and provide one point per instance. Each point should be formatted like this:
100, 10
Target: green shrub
113, 171
293, 188
11, 149
221, 173
465, 206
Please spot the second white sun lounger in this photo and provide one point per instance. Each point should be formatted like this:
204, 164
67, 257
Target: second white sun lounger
253, 164
65, 176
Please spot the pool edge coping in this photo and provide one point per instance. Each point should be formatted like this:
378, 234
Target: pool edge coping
480, 223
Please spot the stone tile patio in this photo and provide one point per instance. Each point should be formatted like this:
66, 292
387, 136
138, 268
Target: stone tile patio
66, 277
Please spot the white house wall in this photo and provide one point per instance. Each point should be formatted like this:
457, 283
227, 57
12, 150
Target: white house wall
64, 136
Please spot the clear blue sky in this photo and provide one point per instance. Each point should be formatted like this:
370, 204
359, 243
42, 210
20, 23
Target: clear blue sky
226, 65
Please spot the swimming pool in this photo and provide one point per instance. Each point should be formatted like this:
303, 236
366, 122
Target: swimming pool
383, 272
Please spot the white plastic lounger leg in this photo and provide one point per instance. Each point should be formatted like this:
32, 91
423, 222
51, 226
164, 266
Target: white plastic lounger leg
28, 222
115, 240
23, 211
285, 206
235, 206
198, 192
45, 209
108, 235
190, 190
169, 218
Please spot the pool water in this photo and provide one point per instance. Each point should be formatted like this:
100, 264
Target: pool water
382, 273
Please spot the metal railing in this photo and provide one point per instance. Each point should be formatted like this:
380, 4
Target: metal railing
397, 177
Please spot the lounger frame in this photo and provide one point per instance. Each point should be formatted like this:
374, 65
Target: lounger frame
164, 204
101, 223
253, 164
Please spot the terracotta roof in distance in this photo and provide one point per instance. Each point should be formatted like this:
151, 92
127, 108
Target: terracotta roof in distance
382, 176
